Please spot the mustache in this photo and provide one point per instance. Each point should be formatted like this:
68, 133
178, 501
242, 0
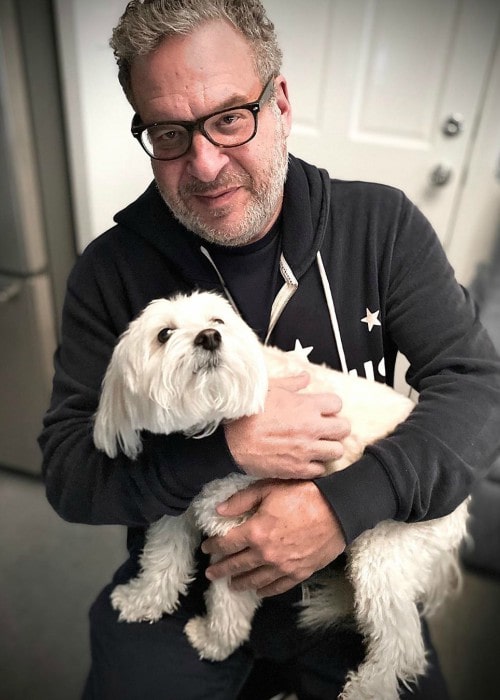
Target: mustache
222, 181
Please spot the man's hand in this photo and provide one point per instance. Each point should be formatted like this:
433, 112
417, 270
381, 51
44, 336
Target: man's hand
292, 534
294, 435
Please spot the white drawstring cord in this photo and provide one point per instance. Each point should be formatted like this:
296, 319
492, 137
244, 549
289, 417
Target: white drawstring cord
293, 283
221, 279
333, 313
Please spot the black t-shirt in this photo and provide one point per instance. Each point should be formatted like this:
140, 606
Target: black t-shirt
250, 273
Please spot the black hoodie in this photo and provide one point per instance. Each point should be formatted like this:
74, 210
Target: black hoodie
362, 275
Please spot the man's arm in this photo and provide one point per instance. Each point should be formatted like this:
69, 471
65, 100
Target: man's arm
427, 467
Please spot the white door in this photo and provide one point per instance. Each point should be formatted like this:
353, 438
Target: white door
389, 90
477, 226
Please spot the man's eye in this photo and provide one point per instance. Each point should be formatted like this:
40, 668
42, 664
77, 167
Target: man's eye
164, 335
168, 135
229, 118
165, 136
231, 121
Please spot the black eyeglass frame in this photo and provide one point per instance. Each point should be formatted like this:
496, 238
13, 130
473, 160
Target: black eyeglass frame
137, 128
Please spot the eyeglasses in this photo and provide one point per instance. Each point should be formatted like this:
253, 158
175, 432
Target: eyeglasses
227, 128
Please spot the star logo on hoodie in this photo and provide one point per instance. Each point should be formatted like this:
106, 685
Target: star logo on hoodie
371, 319
302, 352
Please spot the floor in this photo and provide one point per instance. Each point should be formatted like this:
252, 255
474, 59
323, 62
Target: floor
50, 571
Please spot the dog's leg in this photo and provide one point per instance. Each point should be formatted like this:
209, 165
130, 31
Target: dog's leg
229, 615
386, 590
167, 568
227, 623
394, 652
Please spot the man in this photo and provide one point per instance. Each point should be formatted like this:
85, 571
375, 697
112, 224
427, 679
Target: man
349, 272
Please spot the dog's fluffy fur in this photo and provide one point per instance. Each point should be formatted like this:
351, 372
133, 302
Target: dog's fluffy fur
185, 365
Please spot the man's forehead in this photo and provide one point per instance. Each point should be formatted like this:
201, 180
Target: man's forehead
191, 75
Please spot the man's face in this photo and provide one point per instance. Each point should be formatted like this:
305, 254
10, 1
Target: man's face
227, 195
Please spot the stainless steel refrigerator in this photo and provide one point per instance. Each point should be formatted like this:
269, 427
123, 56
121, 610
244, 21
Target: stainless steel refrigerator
36, 232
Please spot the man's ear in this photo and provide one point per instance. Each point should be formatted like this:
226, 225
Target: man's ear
283, 103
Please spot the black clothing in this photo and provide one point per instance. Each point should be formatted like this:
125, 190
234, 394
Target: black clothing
361, 275
140, 661
392, 288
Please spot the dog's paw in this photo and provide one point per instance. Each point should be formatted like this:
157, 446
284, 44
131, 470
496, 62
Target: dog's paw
368, 686
137, 605
207, 644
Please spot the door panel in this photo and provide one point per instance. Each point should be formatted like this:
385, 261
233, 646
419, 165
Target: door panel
477, 227
373, 85
26, 319
398, 85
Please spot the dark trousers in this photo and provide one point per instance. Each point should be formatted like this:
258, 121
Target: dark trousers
142, 661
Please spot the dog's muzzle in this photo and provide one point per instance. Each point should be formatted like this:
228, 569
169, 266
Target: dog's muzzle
207, 343
209, 339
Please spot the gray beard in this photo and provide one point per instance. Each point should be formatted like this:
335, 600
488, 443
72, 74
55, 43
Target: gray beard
256, 217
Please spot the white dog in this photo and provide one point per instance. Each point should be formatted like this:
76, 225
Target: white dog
188, 363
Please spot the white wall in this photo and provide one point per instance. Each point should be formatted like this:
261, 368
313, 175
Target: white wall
109, 170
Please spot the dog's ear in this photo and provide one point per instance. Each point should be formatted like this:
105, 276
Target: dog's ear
115, 420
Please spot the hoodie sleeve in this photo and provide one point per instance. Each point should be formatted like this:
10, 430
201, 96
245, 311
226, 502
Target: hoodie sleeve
429, 464
83, 484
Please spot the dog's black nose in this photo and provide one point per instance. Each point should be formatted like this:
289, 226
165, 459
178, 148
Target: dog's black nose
209, 339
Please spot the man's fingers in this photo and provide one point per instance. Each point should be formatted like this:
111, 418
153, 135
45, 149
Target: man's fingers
329, 404
293, 383
234, 565
225, 546
241, 502
333, 428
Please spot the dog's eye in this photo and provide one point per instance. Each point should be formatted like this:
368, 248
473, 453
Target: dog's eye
216, 320
164, 335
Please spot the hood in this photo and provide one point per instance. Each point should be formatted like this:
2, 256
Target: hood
305, 214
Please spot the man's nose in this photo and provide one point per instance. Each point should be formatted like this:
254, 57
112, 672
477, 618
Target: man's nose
205, 159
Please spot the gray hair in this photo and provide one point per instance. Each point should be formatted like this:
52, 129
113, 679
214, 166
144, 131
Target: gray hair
144, 25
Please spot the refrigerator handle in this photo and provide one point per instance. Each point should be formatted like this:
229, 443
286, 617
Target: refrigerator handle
10, 291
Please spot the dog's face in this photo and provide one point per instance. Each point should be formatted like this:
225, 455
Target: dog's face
183, 365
